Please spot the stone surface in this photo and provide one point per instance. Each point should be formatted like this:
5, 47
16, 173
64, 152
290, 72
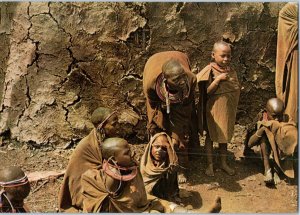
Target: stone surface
59, 61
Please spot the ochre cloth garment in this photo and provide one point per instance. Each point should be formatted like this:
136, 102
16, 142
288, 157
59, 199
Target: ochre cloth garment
282, 137
286, 79
217, 111
160, 181
132, 199
180, 124
87, 155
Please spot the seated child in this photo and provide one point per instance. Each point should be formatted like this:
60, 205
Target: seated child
118, 186
15, 188
277, 139
159, 165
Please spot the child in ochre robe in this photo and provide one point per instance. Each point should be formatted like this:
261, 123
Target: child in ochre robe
219, 95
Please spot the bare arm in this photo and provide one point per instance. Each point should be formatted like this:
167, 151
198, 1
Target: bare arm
214, 85
255, 138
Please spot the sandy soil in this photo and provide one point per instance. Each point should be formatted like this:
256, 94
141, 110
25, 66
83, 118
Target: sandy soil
243, 193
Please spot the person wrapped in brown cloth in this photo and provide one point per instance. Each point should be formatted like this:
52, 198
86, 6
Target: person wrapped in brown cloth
219, 92
15, 188
286, 78
277, 139
169, 87
87, 155
159, 165
118, 186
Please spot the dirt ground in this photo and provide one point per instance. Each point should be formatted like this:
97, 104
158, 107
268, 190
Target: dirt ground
243, 193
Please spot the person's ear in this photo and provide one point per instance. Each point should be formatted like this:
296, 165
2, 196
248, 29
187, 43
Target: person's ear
213, 55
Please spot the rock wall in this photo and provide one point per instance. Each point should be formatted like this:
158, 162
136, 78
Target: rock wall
59, 61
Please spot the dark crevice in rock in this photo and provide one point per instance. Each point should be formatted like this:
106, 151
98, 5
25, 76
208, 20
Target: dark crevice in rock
36, 43
4, 93
27, 93
140, 38
179, 7
36, 55
87, 76
70, 42
67, 115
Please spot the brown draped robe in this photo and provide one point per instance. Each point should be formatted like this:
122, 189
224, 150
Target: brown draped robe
87, 155
132, 199
286, 79
160, 181
217, 111
282, 137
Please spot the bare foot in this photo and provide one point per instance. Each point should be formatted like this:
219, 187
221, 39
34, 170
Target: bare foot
181, 178
227, 169
276, 178
210, 171
268, 178
217, 206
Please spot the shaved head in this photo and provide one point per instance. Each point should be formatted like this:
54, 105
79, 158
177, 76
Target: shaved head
218, 44
11, 173
100, 114
275, 105
172, 67
111, 145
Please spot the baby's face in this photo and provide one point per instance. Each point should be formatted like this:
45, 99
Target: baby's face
123, 155
222, 55
272, 114
18, 193
159, 148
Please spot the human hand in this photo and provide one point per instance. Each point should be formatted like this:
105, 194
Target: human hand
222, 76
175, 143
181, 146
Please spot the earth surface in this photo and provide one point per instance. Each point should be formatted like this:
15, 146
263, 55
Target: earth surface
244, 192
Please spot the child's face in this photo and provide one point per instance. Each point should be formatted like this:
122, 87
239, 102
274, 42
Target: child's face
222, 55
18, 193
159, 149
272, 114
111, 126
123, 155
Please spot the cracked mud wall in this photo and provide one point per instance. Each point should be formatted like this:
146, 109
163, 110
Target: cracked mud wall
59, 61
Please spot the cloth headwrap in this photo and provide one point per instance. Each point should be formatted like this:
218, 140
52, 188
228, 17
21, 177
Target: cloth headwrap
15, 183
101, 124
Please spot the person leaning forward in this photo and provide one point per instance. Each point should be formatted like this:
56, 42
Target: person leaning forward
169, 87
87, 155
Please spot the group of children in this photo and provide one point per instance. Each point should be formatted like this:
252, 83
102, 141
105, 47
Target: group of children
102, 175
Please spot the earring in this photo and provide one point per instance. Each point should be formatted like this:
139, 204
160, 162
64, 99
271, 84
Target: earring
102, 133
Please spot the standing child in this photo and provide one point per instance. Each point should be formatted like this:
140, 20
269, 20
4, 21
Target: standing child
219, 95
